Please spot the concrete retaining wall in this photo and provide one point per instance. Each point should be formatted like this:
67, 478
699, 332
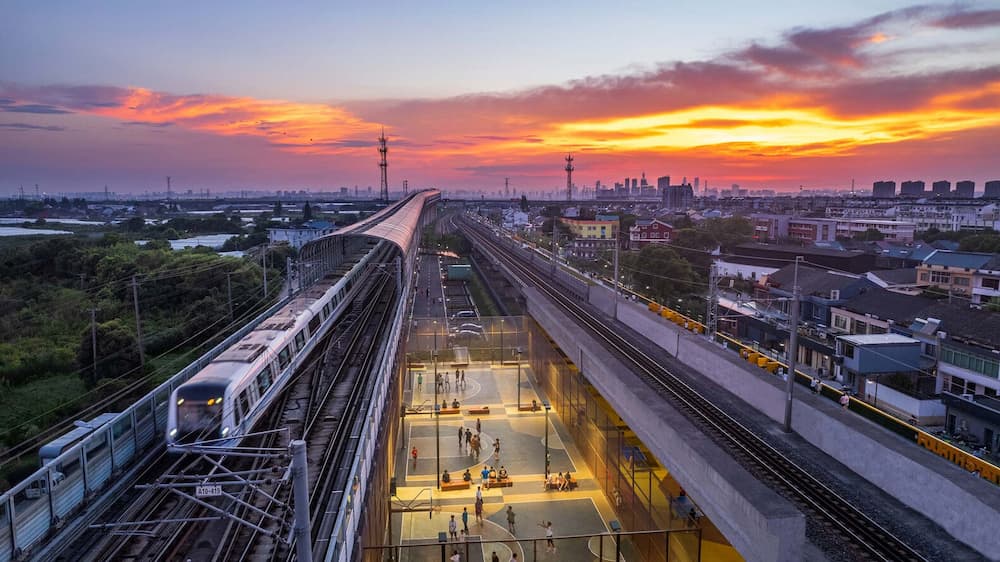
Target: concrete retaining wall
965, 506
759, 523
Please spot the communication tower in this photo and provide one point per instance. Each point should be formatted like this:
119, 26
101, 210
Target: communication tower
383, 150
569, 177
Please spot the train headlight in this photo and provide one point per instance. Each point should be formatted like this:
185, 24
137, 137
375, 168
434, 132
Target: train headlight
173, 432
180, 401
225, 431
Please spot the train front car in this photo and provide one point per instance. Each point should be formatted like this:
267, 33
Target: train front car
196, 412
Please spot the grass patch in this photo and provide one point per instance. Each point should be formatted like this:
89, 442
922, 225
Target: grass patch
481, 297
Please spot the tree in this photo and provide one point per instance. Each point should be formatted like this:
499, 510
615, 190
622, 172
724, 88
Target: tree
524, 203
870, 235
117, 352
307, 212
667, 274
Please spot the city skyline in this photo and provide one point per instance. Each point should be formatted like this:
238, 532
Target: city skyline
810, 98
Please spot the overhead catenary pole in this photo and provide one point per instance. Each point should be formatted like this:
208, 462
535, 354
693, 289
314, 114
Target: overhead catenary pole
263, 266
555, 263
617, 245
138, 320
300, 482
712, 313
793, 346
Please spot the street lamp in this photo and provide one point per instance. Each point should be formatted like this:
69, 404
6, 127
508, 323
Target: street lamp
501, 342
437, 441
547, 406
435, 337
518, 353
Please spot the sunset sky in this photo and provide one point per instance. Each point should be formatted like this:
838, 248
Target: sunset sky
260, 95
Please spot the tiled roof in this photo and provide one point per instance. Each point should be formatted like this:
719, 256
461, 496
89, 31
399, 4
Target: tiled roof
811, 281
967, 260
903, 276
886, 305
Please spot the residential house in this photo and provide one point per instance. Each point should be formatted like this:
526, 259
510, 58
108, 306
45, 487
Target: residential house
951, 272
592, 237
649, 231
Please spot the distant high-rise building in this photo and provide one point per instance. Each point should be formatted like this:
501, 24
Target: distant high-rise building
635, 184
912, 188
941, 188
991, 189
965, 189
678, 196
696, 183
643, 182
884, 189
662, 183
628, 183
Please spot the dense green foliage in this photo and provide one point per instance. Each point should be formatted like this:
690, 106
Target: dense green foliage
987, 241
47, 290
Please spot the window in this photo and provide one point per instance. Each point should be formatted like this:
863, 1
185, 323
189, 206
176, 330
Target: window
984, 365
923, 276
840, 322
244, 406
284, 357
860, 327
264, 380
940, 277
300, 339
326, 310
991, 284
962, 281
849, 350
957, 385
314, 324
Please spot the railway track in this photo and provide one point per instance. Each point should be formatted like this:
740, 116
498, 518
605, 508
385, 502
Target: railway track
867, 538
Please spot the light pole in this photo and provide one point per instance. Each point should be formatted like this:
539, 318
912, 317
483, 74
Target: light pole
437, 441
547, 406
435, 337
501, 342
518, 352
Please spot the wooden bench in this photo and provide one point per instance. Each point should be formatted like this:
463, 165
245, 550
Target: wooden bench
446, 411
485, 410
498, 483
454, 485
529, 408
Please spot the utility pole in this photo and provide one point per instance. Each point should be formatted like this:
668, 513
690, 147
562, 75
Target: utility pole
83, 277
93, 340
569, 177
383, 165
263, 265
506, 187
406, 187
229, 292
793, 346
617, 247
288, 275
555, 263
168, 189
138, 321
712, 313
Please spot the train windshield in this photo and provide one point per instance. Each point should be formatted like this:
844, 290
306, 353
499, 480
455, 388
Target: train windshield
199, 411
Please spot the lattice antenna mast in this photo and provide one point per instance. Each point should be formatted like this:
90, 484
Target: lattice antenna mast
506, 187
569, 177
383, 151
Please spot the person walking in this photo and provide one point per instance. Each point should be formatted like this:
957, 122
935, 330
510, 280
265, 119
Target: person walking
453, 528
465, 518
485, 473
845, 401
479, 494
814, 385
420, 382
479, 426
455, 557
413, 453
461, 435
510, 519
468, 439
494, 558
463, 379
479, 507
550, 545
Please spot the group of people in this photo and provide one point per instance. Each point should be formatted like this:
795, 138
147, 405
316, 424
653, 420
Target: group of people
471, 441
491, 473
557, 481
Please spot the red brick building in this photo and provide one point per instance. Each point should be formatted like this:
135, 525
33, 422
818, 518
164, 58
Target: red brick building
649, 231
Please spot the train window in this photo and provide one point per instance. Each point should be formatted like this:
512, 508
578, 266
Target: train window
326, 310
264, 380
314, 324
244, 406
284, 358
300, 339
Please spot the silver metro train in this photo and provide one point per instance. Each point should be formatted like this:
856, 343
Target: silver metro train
223, 401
